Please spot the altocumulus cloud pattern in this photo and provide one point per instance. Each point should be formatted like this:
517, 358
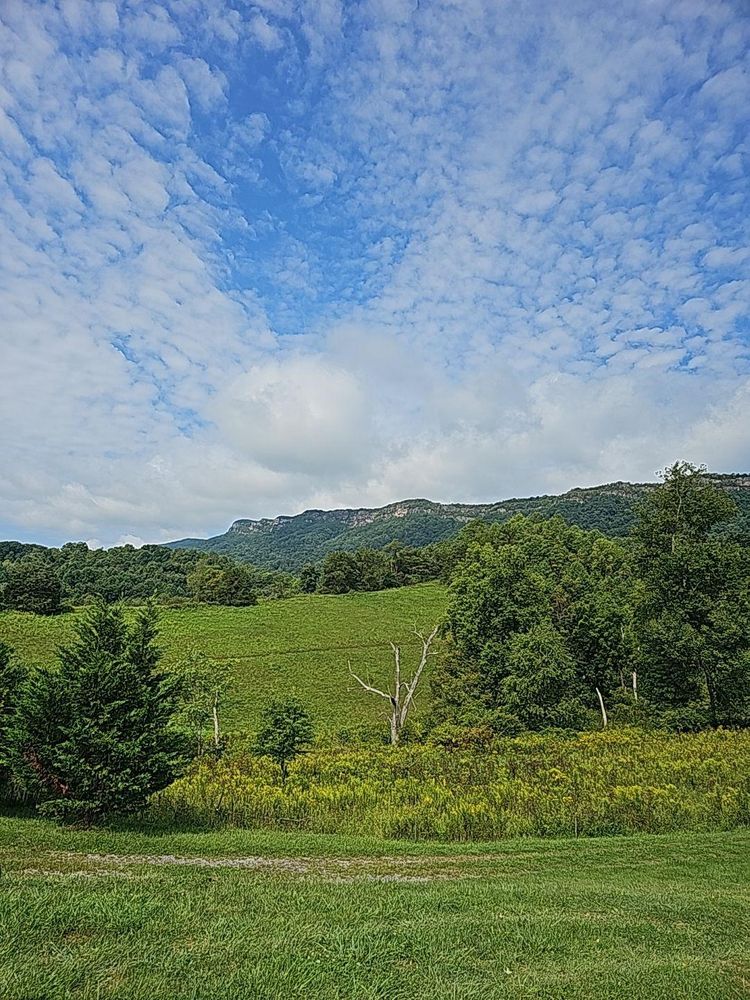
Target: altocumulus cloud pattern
261, 256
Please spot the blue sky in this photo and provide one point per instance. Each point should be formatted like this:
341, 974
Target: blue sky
257, 257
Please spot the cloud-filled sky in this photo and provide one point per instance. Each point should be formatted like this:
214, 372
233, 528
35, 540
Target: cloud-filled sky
258, 257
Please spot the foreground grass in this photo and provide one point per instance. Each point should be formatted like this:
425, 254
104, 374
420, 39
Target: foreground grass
301, 646
643, 917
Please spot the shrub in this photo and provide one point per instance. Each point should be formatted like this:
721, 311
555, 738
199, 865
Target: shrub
286, 732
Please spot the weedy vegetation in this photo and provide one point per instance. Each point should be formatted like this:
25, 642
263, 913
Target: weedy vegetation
616, 782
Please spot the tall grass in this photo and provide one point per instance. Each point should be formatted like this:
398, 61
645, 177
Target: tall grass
618, 782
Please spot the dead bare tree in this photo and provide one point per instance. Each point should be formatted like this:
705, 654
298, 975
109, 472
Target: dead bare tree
400, 700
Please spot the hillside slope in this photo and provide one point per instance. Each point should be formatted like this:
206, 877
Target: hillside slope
289, 542
299, 646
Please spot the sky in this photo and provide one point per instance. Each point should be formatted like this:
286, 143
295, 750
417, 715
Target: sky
261, 257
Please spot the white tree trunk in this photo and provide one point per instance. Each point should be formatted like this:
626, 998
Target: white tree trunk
400, 700
604, 711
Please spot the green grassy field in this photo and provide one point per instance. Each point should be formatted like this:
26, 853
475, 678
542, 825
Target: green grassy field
301, 646
239, 914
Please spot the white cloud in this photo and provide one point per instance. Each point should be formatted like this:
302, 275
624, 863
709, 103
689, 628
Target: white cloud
256, 257
298, 415
265, 33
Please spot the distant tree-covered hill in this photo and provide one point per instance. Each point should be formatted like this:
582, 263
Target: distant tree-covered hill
289, 542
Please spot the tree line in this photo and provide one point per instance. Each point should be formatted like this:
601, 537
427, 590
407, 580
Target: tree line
46, 580
553, 626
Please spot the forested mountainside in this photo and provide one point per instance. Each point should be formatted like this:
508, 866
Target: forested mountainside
289, 542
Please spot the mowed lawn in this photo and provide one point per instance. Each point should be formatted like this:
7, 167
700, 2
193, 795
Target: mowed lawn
299, 646
241, 914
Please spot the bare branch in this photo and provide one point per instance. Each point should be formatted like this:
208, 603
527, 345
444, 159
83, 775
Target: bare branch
412, 687
399, 708
369, 687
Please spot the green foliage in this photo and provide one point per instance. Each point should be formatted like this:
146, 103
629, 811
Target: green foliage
230, 585
204, 693
621, 781
541, 687
286, 732
538, 620
130, 574
91, 739
396, 565
31, 585
694, 603
308, 578
12, 678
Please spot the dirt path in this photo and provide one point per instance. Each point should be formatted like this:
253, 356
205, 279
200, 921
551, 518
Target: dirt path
406, 868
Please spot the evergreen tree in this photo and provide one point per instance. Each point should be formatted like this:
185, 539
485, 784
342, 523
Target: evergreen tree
12, 676
92, 739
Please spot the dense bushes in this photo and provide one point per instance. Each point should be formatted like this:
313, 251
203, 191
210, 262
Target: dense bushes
366, 569
621, 781
550, 625
31, 585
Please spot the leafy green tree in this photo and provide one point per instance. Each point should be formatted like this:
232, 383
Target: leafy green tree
204, 687
538, 626
94, 738
693, 616
340, 573
286, 731
32, 585
308, 578
231, 585
541, 686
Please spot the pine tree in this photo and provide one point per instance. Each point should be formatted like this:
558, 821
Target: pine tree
12, 676
93, 739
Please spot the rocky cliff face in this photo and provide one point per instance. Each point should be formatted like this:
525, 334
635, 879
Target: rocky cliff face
287, 542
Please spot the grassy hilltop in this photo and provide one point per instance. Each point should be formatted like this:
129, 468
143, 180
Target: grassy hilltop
301, 646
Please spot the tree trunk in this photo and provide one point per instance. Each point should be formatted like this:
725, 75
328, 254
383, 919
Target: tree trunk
604, 711
394, 728
215, 713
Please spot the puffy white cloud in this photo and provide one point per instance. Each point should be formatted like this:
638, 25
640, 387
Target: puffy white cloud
256, 257
298, 415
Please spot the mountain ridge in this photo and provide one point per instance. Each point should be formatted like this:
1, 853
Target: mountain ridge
288, 541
